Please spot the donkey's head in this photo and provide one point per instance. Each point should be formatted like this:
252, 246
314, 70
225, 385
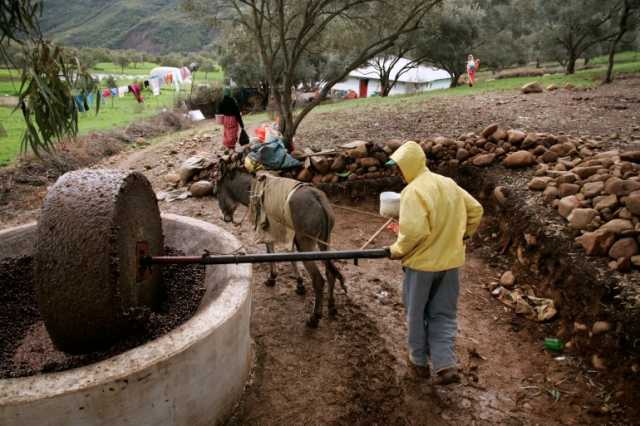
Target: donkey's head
232, 187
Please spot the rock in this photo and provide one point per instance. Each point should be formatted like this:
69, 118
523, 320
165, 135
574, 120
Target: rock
579, 327
516, 137
592, 189
500, 195
632, 202
462, 154
317, 179
582, 218
633, 156
393, 144
608, 202
552, 88
635, 260
201, 188
305, 175
368, 162
338, 164
617, 226
566, 189
533, 87
550, 194
567, 204
567, 178
321, 164
519, 159
549, 157
489, 130
539, 183
600, 327
563, 149
539, 150
625, 247
357, 149
172, 178
499, 135
507, 279
621, 264
597, 243
531, 140
598, 362
621, 187
483, 160
585, 172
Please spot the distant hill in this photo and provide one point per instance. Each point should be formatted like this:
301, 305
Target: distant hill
155, 26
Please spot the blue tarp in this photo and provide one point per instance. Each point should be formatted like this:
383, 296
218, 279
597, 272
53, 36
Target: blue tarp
273, 155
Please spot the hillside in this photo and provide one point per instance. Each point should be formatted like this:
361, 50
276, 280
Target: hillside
155, 26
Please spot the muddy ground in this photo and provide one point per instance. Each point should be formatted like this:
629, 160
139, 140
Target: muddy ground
352, 370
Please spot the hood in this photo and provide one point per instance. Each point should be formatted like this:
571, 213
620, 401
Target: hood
411, 160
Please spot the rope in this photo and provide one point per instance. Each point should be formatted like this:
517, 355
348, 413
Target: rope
351, 209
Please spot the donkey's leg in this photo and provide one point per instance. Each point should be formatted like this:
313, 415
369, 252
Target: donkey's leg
299, 281
305, 244
273, 274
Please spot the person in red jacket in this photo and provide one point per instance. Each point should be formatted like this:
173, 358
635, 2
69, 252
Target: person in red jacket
472, 67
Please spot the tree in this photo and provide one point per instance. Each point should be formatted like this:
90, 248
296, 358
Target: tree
50, 77
285, 30
575, 26
122, 60
627, 13
207, 65
455, 34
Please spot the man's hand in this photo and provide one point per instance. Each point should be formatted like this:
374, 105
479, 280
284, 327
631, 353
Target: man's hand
392, 256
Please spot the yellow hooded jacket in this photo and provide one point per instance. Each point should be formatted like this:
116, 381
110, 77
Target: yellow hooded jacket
435, 215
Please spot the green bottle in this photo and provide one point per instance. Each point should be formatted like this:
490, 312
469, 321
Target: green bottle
553, 344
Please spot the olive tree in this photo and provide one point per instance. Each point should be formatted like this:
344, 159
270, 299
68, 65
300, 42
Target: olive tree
285, 31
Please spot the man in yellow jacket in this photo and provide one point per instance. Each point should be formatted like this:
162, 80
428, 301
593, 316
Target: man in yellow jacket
436, 215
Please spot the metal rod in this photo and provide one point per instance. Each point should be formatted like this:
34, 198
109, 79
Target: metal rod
267, 257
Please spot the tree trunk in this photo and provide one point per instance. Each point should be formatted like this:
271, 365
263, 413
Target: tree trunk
614, 44
537, 62
454, 79
571, 63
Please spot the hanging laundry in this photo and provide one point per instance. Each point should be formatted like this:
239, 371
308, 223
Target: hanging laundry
185, 73
169, 78
106, 93
154, 83
80, 102
123, 91
135, 89
114, 92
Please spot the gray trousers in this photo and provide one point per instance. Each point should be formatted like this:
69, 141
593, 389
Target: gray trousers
431, 306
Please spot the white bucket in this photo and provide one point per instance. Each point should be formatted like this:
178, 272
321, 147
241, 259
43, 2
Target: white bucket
390, 204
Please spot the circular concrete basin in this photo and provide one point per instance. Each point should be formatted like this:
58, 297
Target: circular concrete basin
191, 376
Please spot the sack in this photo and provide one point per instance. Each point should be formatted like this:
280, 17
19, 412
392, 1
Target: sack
244, 138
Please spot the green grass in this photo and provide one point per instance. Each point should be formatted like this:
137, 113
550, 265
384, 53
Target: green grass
110, 68
621, 58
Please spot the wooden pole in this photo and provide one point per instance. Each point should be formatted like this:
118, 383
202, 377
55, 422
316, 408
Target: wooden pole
373, 237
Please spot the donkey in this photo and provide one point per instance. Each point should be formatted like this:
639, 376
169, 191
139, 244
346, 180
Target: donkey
313, 221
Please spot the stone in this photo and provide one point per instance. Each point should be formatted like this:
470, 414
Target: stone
620, 187
489, 130
550, 194
539, 150
507, 279
516, 137
600, 327
567, 204
321, 164
368, 162
549, 157
201, 188
597, 361
592, 189
617, 226
172, 178
632, 203
566, 189
533, 87
539, 183
607, 202
338, 164
531, 140
585, 172
624, 213
632, 156
462, 154
567, 178
519, 159
596, 243
500, 195
625, 247
305, 175
499, 135
563, 149
483, 160
621, 264
635, 260
582, 218
552, 88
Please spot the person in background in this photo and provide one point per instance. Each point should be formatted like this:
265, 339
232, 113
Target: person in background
436, 216
472, 67
232, 120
